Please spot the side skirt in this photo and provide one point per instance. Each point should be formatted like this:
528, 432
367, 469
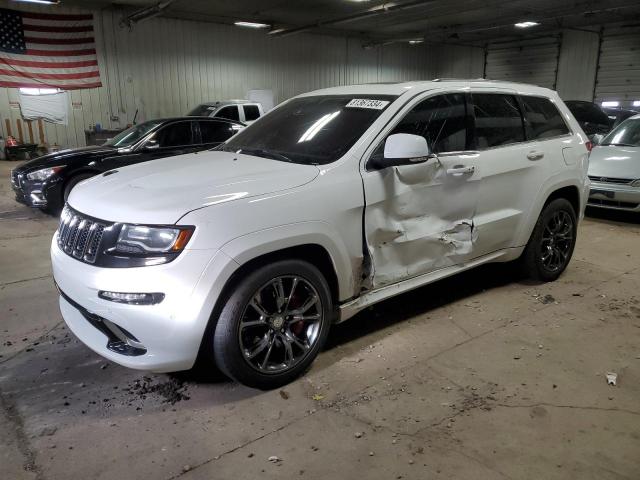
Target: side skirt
351, 307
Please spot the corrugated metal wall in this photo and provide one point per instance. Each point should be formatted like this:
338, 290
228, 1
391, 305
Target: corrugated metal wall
531, 61
577, 65
618, 76
164, 67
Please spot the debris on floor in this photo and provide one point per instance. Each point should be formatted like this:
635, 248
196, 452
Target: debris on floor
547, 299
612, 378
173, 390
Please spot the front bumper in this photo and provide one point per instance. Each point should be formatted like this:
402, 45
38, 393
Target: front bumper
36, 194
167, 335
614, 196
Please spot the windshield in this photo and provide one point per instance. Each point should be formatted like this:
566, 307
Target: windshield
202, 110
627, 134
131, 135
310, 130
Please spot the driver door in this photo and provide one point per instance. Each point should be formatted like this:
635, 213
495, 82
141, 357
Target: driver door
420, 218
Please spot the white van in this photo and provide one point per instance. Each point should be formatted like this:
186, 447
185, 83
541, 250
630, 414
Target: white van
335, 200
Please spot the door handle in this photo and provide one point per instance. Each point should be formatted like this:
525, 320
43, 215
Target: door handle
459, 170
535, 155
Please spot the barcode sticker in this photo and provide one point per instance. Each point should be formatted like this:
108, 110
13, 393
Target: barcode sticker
366, 103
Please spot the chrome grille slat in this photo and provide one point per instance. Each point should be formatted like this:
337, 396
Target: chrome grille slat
619, 181
73, 231
81, 241
95, 244
79, 236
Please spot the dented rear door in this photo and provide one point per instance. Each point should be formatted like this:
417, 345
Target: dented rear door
420, 218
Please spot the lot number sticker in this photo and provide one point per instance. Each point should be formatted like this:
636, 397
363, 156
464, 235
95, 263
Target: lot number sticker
365, 103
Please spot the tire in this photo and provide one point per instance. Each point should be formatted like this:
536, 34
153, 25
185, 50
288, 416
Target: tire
257, 323
552, 242
71, 183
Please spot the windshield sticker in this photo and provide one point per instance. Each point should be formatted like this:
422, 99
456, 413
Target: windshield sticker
366, 103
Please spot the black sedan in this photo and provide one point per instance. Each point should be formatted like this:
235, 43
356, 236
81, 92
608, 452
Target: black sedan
46, 182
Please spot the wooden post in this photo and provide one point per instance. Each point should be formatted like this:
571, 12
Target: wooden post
41, 129
7, 122
19, 124
30, 131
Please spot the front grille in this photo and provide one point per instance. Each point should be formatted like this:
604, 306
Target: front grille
79, 236
618, 181
612, 203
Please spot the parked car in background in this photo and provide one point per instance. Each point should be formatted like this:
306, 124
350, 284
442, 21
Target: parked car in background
239, 110
614, 168
47, 181
334, 201
618, 115
591, 117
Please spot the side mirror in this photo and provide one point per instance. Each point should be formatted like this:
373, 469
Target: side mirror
403, 149
597, 138
152, 145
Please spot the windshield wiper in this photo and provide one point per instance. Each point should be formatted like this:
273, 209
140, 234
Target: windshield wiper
618, 145
261, 152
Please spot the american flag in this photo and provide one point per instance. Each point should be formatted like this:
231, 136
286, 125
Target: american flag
46, 50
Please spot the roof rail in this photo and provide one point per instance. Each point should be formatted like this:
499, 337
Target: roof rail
451, 79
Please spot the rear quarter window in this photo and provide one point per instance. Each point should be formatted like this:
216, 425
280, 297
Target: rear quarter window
543, 120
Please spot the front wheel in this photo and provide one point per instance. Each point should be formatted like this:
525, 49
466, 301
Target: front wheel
273, 324
552, 242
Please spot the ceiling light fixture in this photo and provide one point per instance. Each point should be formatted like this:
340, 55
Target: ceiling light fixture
252, 24
416, 41
46, 2
611, 104
636, 103
526, 24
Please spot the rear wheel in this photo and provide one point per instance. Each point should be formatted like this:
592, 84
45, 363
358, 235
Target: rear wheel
273, 325
552, 242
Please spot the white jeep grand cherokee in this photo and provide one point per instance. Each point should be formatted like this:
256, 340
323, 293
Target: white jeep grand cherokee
333, 201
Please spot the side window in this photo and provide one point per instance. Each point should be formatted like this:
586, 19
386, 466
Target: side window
230, 112
175, 135
543, 118
251, 112
215, 132
498, 120
441, 120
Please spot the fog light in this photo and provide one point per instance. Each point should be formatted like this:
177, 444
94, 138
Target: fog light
132, 298
37, 198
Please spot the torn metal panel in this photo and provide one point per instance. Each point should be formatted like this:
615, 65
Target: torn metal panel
418, 219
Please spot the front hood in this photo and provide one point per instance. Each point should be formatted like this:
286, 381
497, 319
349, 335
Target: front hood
162, 191
615, 162
64, 157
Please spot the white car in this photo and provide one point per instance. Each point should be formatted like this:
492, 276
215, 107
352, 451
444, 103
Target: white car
335, 200
614, 168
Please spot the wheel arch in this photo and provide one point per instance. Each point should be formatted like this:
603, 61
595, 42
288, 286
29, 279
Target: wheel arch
568, 189
75, 174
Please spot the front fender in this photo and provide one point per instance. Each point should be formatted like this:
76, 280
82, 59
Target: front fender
253, 245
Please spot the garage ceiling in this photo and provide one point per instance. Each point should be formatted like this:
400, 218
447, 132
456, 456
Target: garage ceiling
460, 21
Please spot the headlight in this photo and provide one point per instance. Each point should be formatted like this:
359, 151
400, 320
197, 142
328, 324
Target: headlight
140, 240
43, 174
635, 183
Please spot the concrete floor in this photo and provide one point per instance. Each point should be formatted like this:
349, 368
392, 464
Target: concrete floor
481, 376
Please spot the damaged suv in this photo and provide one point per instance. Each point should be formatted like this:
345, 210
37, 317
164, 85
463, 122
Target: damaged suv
335, 200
